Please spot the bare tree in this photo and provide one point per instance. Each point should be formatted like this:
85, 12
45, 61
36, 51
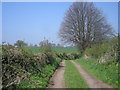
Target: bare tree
84, 25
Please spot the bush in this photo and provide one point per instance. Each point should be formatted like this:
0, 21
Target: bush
99, 50
21, 66
46, 49
16, 63
40, 81
68, 56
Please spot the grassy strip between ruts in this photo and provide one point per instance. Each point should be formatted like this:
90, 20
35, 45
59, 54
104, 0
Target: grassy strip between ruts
73, 78
107, 72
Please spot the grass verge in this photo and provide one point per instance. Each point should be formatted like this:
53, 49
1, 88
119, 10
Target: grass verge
107, 72
73, 78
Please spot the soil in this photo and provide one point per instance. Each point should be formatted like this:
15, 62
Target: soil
58, 80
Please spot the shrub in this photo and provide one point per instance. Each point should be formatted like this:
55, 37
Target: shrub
46, 49
68, 56
99, 50
15, 64
21, 66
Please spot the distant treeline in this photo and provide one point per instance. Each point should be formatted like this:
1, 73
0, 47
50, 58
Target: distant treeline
20, 43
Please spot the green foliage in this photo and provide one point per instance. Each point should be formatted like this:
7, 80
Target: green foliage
66, 49
40, 81
57, 49
107, 72
66, 53
0, 62
46, 48
0, 50
23, 68
16, 63
34, 49
106, 52
20, 44
68, 56
98, 50
73, 78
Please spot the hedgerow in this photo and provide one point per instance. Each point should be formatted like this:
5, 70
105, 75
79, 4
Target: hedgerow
21, 68
68, 56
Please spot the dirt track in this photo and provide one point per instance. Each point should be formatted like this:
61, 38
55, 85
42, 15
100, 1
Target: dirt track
57, 80
90, 79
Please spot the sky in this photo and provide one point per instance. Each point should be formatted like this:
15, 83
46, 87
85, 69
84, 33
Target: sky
119, 18
36, 21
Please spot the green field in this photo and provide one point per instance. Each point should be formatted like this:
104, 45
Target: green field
107, 72
66, 49
57, 49
34, 49
73, 78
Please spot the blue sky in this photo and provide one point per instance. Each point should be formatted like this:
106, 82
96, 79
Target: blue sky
32, 22
119, 17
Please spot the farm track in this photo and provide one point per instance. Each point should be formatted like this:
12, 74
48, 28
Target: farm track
58, 80
92, 81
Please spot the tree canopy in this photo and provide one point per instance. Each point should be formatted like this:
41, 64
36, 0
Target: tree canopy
83, 25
